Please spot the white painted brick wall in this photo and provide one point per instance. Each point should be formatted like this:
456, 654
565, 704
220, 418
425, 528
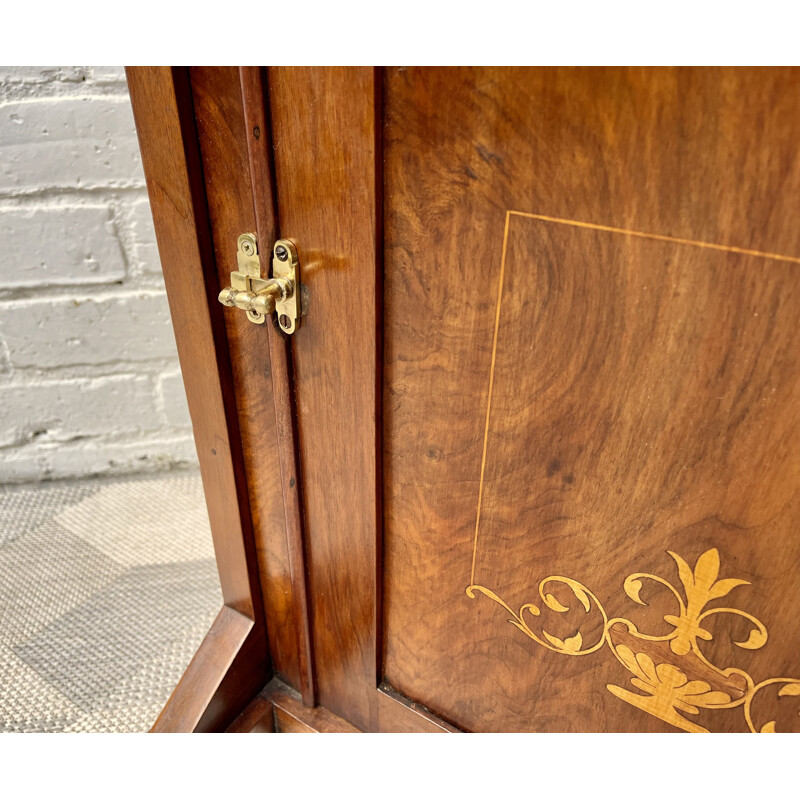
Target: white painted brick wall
89, 377
170, 385
87, 329
68, 143
59, 246
69, 409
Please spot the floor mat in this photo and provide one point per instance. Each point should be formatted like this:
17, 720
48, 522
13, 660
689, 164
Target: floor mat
106, 590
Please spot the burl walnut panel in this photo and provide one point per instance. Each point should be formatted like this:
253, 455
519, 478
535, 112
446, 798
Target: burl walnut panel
547, 244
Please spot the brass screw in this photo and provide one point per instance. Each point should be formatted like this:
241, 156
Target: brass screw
247, 248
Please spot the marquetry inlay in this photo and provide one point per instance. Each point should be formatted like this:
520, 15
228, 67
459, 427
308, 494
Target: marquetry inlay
670, 672
672, 681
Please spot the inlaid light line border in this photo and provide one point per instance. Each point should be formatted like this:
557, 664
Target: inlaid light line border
657, 236
489, 399
591, 226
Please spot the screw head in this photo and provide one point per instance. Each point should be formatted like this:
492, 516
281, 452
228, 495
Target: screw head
281, 252
247, 247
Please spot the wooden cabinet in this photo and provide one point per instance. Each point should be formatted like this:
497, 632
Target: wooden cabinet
530, 462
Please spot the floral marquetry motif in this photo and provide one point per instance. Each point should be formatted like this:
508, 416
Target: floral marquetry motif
670, 672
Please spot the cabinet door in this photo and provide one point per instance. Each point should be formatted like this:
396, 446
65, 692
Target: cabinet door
530, 462
567, 498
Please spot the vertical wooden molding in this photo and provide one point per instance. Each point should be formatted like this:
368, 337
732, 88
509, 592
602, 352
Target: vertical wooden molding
379, 243
323, 124
261, 176
222, 137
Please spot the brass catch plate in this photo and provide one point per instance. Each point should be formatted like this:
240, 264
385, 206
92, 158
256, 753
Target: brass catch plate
285, 265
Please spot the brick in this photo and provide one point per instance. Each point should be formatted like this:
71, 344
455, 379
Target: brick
59, 246
146, 249
57, 411
68, 142
43, 74
63, 131
5, 367
173, 395
54, 332
97, 457
108, 74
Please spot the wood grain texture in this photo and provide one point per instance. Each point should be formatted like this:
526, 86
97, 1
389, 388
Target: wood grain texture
220, 683
611, 256
291, 716
398, 714
325, 169
280, 709
225, 167
259, 142
645, 393
200, 702
258, 717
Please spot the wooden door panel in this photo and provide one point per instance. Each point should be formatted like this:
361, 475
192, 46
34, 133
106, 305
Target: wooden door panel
325, 138
591, 359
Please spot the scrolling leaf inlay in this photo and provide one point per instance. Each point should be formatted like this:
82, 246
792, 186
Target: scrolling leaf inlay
669, 689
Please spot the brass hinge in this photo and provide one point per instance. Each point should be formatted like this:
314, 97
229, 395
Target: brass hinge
258, 296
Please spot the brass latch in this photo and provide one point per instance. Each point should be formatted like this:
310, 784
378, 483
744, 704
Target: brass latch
259, 296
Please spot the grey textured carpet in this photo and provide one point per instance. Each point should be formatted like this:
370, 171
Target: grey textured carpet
106, 590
